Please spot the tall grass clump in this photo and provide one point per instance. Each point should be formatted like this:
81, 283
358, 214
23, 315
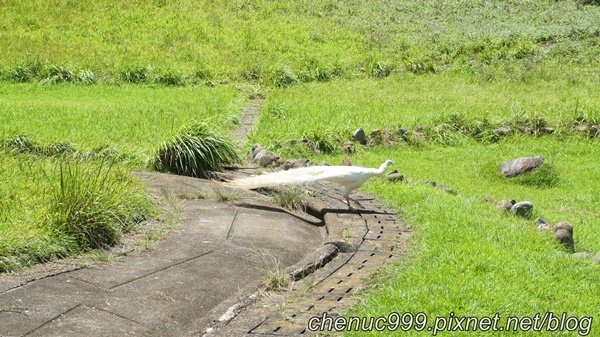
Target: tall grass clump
196, 152
94, 204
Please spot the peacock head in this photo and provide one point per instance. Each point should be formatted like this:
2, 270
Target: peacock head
386, 164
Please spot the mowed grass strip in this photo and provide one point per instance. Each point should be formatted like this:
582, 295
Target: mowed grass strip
131, 119
342, 106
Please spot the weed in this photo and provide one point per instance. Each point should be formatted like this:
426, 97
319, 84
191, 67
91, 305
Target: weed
284, 76
224, 196
93, 204
87, 77
290, 198
195, 152
58, 74
136, 74
170, 78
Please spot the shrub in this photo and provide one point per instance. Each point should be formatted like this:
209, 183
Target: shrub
135, 74
195, 152
381, 69
285, 77
26, 72
95, 204
58, 74
170, 78
86, 77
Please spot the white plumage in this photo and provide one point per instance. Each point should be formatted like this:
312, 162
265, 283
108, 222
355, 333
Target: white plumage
349, 177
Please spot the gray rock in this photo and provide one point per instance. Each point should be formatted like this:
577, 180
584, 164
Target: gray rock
265, 160
548, 130
595, 131
277, 161
503, 131
521, 165
522, 209
431, 183
360, 136
581, 255
542, 225
302, 163
564, 225
596, 258
256, 148
346, 162
489, 198
565, 238
395, 177
348, 147
505, 205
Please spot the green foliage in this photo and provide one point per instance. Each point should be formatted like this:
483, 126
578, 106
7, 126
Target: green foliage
170, 78
284, 77
290, 198
93, 204
195, 152
136, 74
58, 74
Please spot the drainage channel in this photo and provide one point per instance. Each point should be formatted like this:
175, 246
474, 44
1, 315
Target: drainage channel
359, 243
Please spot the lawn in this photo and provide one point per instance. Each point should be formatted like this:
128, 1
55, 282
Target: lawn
132, 119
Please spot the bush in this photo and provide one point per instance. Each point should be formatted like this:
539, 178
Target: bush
58, 74
285, 77
87, 77
196, 152
94, 204
135, 74
26, 72
170, 78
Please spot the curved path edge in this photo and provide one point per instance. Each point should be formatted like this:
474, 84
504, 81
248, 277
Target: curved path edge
357, 244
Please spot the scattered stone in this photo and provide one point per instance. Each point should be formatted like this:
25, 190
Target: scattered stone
265, 160
446, 189
581, 128
302, 163
596, 258
565, 238
288, 164
488, 198
256, 148
418, 136
348, 147
395, 176
346, 162
360, 136
527, 131
505, 205
595, 131
277, 161
521, 165
581, 255
542, 225
548, 130
503, 131
431, 183
564, 225
522, 209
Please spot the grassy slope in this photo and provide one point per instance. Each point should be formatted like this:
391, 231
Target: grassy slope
470, 260
412, 100
249, 38
132, 119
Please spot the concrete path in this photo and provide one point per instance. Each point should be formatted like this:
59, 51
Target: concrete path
220, 251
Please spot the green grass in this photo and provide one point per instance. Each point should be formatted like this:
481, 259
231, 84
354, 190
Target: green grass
131, 119
466, 258
341, 106
469, 259
51, 209
317, 40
